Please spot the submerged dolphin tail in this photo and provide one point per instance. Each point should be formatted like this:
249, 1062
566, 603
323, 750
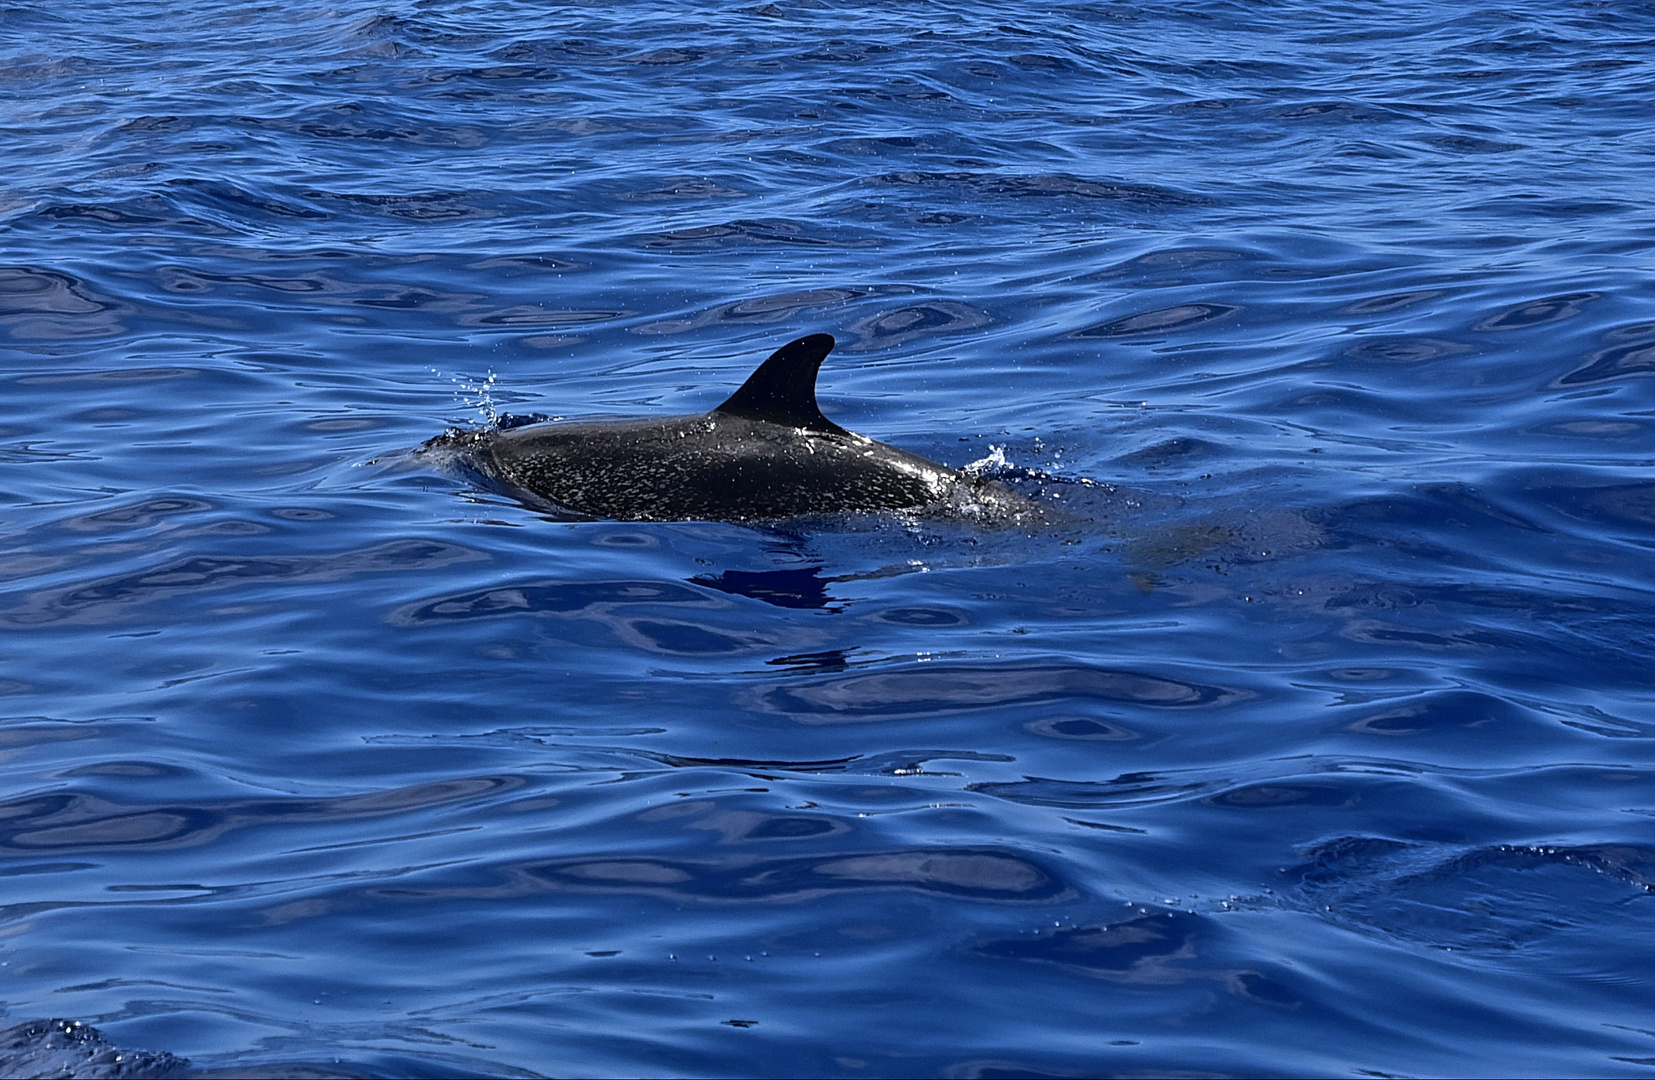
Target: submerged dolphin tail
783, 389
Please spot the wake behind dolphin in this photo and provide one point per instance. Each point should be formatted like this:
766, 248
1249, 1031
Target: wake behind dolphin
766, 454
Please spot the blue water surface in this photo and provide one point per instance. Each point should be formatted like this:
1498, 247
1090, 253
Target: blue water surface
1317, 739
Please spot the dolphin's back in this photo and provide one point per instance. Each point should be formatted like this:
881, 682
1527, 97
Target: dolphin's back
715, 467
766, 454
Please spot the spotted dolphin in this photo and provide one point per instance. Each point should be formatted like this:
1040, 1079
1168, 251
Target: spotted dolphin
766, 454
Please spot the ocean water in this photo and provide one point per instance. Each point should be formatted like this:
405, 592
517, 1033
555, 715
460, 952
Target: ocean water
1319, 738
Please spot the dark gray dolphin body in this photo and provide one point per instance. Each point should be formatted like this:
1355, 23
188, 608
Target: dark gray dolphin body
766, 454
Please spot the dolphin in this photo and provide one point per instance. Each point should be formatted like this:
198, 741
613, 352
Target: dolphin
766, 454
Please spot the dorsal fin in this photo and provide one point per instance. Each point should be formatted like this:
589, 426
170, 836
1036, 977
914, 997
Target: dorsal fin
783, 389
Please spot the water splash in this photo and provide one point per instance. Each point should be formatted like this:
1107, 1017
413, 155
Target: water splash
476, 394
996, 463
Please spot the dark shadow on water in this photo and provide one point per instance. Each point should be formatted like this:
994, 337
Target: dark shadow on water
800, 588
